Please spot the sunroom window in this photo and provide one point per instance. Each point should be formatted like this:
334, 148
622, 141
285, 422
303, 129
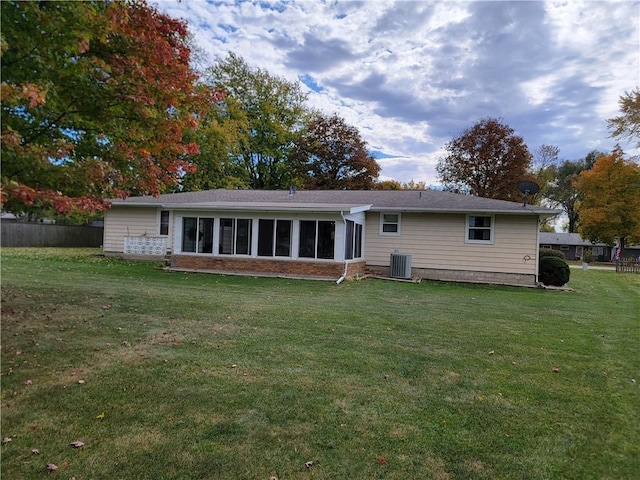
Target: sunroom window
235, 236
274, 238
197, 235
317, 239
353, 240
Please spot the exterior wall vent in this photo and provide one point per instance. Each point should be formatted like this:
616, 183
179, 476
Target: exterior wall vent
400, 265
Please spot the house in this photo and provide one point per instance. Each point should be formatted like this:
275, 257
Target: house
574, 247
332, 234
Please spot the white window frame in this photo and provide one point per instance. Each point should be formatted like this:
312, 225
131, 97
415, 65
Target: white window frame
491, 229
383, 223
354, 241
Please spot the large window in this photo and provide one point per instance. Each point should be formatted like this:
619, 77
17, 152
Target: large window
317, 239
479, 229
274, 238
389, 224
197, 235
235, 236
353, 240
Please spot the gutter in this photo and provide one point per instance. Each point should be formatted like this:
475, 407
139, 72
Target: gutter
346, 265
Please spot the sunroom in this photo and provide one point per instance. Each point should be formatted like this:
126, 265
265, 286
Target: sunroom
309, 241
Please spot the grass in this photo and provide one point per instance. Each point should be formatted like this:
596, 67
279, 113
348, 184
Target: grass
181, 376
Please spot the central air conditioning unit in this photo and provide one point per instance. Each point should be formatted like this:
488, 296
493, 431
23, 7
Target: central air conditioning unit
400, 265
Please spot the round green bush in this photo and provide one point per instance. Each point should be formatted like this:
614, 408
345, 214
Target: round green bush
553, 271
549, 252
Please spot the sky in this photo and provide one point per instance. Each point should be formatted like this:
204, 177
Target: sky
413, 75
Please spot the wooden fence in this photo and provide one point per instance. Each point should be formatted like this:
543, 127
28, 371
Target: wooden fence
628, 265
18, 234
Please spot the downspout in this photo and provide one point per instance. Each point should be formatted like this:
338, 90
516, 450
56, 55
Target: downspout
538, 250
346, 265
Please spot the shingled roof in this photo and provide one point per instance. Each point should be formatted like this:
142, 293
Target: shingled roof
337, 200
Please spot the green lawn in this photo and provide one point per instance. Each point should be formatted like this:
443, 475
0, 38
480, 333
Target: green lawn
172, 375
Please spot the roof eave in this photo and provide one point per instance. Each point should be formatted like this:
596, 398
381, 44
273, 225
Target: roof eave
535, 211
265, 207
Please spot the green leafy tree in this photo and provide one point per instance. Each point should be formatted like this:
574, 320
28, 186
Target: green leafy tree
627, 125
95, 101
388, 185
269, 111
219, 138
609, 200
331, 155
486, 160
560, 190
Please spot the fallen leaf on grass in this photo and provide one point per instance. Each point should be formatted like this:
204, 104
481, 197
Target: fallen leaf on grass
52, 467
77, 444
100, 415
28, 382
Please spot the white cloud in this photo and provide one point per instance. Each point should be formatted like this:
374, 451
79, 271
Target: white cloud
411, 75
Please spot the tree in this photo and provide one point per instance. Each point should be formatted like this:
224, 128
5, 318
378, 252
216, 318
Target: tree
487, 160
219, 138
560, 190
269, 110
95, 101
413, 185
545, 156
388, 185
609, 204
331, 155
544, 166
627, 125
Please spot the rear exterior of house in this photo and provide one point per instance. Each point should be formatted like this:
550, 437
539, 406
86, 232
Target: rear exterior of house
332, 234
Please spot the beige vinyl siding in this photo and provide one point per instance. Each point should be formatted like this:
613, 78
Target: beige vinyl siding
120, 222
438, 241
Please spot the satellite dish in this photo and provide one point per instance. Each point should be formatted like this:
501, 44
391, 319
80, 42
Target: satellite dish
528, 188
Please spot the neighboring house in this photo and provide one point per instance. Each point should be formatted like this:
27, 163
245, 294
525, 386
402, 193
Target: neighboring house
333, 234
574, 247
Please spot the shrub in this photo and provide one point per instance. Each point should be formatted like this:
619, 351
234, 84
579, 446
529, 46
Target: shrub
553, 271
548, 252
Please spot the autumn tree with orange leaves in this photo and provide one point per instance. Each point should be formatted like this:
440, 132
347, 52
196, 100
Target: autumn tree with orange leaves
609, 200
96, 97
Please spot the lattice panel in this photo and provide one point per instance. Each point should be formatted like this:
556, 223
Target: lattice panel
145, 245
